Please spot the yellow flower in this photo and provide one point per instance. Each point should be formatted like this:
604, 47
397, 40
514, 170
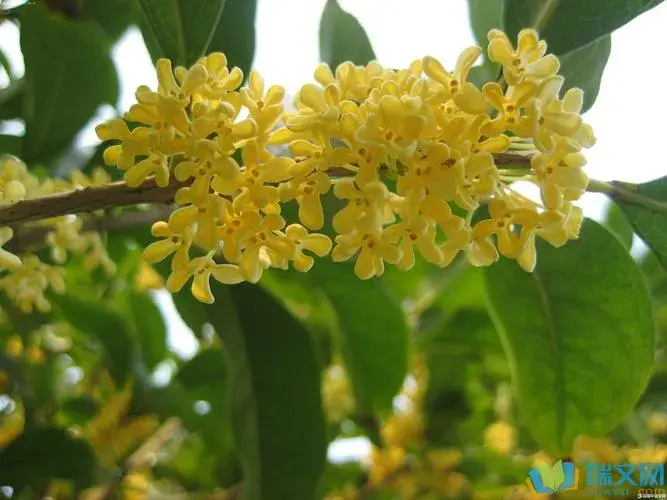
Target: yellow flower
265, 109
206, 163
528, 62
317, 109
307, 192
176, 239
14, 346
500, 437
396, 125
253, 185
372, 248
559, 174
503, 220
254, 259
7, 259
28, 284
367, 206
465, 94
220, 121
510, 105
202, 269
414, 231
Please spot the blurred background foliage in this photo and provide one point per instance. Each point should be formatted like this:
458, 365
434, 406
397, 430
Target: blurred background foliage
95, 404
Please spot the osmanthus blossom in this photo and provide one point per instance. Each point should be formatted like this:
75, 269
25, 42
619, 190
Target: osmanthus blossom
410, 153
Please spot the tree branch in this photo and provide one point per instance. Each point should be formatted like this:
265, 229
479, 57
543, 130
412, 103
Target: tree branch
115, 194
29, 236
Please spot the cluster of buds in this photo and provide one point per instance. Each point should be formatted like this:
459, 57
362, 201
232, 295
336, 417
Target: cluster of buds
25, 277
413, 154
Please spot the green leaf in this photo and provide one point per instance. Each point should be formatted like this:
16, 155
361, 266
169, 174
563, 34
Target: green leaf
180, 30
235, 35
570, 24
200, 22
10, 145
485, 16
150, 328
343, 38
206, 375
278, 420
11, 101
649, 225
618, 225
105, 324
577, 32
114, 17
68, 75
374, 337
584, 309
583, 68
43, 454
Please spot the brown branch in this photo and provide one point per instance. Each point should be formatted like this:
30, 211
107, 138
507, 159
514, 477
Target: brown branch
31, 236
116, 194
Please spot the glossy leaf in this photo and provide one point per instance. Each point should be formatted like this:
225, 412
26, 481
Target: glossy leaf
235, 34
343, 38
105, 324
150, 328
180, 30
583, 68
570, 24
650, 225
68, 75
373, 334
10, 145
278, 420
578, 333
44, 454
114, 17
618, 225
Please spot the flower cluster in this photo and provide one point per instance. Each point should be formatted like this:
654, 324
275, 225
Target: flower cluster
26, 278
412, 154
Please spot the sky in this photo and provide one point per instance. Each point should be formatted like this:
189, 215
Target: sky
628, 116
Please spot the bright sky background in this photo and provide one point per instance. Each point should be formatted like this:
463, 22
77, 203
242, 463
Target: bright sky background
628, 116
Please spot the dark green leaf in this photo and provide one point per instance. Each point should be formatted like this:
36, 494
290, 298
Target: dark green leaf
200, 22
235, 35
583, 68
278, 420
180, 30
343, 38
11, 101
570, 24
150, 328
114, 17
579, 335
77, 411
485, 15
618, 225
206, 375
163, 29
650, 226
68, 75
40, 455
105, 324
10, 145
374, 336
